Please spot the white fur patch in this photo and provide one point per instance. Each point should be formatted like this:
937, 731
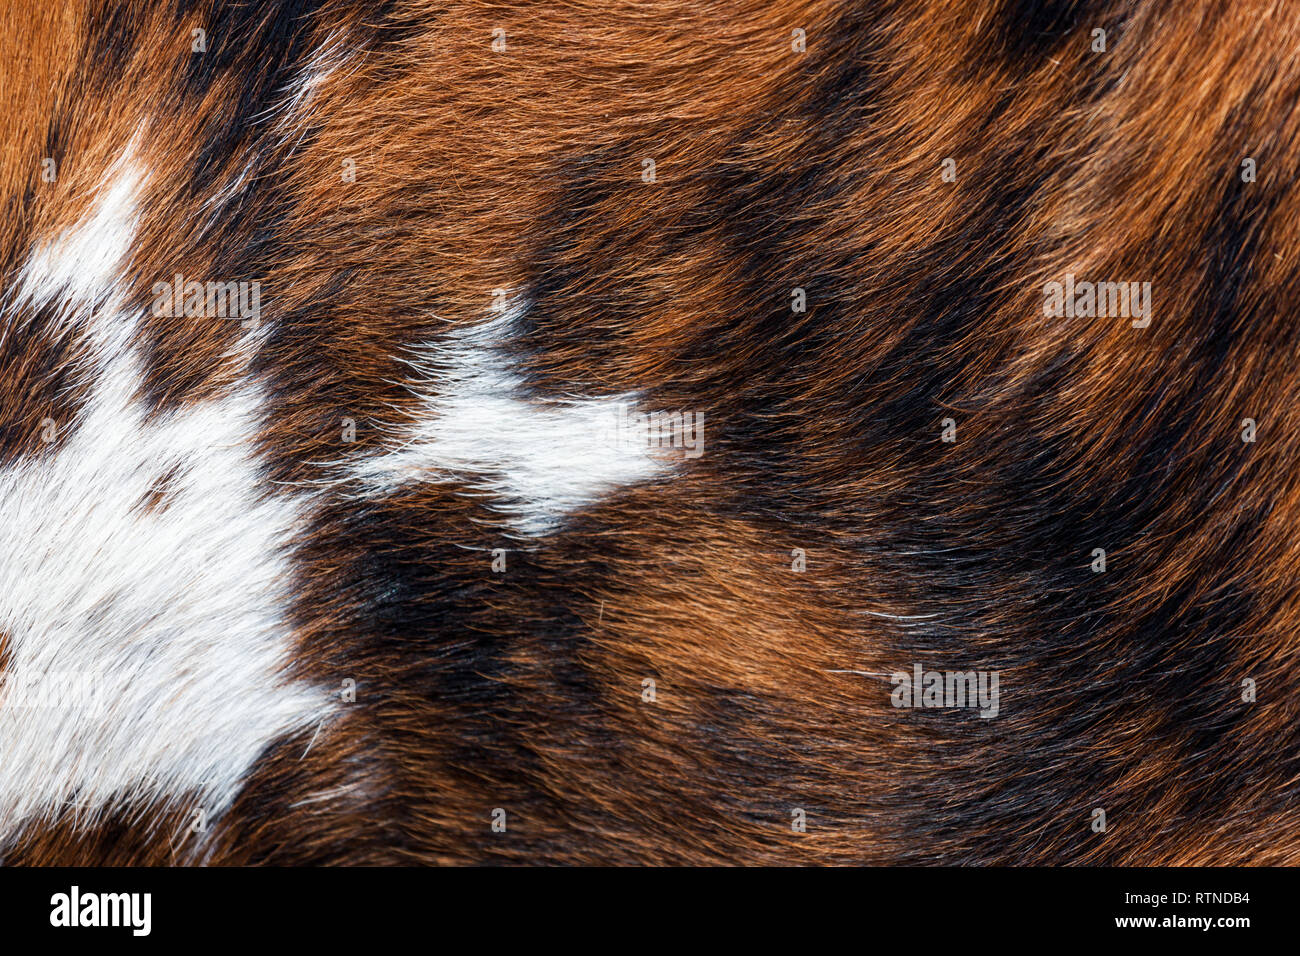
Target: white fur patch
326, 58
82, 262
539, 461
174, 609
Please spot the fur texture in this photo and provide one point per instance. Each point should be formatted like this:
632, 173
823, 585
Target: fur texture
369, 581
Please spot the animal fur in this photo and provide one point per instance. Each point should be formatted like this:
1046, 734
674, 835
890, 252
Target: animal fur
460, 259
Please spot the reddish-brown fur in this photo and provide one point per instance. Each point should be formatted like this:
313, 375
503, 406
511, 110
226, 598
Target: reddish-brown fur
775, 169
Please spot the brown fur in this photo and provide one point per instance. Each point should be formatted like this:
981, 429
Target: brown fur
820, 170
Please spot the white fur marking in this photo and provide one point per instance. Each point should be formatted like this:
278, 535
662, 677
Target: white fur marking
540, 461
82, 262
177, 610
